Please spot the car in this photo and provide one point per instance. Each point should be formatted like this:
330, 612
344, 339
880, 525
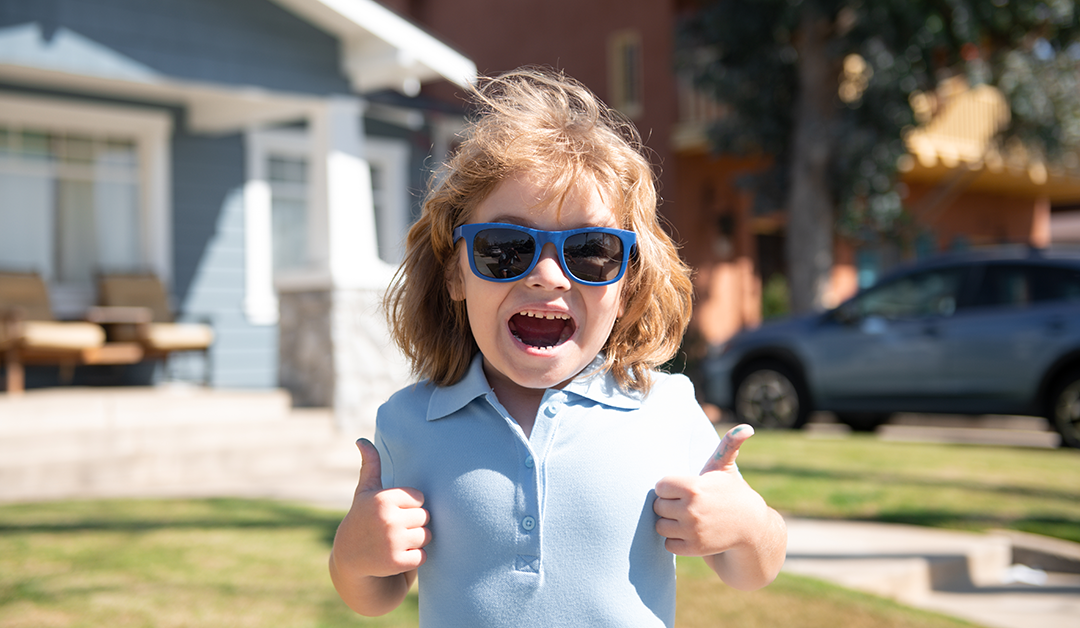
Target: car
983, 332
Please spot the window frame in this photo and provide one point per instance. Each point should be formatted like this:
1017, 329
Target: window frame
625, 83
151, 130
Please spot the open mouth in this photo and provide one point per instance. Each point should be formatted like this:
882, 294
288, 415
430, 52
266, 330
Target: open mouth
542, 329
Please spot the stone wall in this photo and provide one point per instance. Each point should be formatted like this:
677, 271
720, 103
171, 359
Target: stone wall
336, 352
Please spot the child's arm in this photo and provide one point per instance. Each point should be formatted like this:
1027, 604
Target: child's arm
378, 545
718, 516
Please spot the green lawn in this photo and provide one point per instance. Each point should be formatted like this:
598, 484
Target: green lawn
954, 486
237, 563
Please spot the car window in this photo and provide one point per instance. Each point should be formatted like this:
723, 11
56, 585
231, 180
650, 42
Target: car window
1055, 283
929, 293
1020, 285
1004, 285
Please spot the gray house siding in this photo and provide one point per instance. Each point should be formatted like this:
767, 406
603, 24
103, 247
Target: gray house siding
230, 42
238, 42
208, 258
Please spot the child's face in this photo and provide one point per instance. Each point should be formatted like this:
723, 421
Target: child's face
513, 356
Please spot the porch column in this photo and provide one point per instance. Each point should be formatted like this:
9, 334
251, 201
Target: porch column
335, 346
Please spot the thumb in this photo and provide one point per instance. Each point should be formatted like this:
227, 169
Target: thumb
723, 459
370, 468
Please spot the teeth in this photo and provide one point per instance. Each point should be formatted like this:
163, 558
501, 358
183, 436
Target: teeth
549, 316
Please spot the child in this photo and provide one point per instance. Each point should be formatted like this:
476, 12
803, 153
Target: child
543, 473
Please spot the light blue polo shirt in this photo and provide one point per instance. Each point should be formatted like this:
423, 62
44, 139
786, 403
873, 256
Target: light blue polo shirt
552, 530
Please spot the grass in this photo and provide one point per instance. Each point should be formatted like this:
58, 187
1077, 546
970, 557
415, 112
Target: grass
964, 487
237, 563
185, 563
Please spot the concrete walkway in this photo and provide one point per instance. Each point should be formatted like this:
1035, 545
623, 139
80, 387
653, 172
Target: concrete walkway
190, 442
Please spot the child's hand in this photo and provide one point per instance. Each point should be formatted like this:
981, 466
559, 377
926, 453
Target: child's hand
384, 532
714, 511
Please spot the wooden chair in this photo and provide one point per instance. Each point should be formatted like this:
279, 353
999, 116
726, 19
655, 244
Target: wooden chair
125, 295
30, 334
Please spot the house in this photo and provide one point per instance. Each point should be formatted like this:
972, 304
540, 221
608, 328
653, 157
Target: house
960, 192
259, 156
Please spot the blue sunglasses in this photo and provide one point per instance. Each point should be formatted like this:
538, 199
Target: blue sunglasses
594, 256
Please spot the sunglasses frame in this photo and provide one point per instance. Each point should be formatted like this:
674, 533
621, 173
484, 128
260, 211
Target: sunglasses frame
541, 237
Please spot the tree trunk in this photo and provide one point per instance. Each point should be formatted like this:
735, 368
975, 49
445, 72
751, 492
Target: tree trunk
810, 203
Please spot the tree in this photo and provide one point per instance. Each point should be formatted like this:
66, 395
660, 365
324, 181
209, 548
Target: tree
825, 87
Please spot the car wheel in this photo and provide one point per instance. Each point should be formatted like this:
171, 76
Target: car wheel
863, 421
1065, 409
769, 396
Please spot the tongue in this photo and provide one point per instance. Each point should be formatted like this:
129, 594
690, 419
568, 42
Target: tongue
538, 332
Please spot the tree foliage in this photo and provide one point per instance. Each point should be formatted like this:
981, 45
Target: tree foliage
757, 58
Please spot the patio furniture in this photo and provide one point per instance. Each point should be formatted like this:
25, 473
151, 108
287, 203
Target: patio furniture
30, 334
141, 299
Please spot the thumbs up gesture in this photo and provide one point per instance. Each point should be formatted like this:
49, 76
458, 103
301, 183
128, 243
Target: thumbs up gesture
385, 531
714, 511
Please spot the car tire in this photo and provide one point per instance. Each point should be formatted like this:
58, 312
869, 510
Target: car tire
1064, 408
769, 395
863, 421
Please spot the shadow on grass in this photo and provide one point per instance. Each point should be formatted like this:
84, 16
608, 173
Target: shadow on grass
802, 473
1059, 527
148, 515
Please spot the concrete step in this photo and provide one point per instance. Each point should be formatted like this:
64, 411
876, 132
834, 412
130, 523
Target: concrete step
999, 579
74, 443
100, 408
907, 564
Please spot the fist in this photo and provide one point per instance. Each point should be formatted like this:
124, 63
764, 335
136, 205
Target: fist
707, 514
385, 530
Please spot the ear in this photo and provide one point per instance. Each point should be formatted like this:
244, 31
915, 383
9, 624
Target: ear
455, 281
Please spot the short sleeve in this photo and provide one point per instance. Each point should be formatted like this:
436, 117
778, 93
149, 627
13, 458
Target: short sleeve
673, 395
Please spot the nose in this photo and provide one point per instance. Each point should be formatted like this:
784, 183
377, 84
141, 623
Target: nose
548, 273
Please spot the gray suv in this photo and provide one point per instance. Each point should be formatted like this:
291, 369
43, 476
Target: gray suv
985, 332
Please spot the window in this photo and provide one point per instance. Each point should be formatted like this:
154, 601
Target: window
625, 73
1019, 285
932, 293
82, 191
286, 241
288, 176
71, 203
389, 160
277, 200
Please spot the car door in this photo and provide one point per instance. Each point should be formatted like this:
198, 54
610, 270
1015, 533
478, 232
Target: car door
883, 346
997, 349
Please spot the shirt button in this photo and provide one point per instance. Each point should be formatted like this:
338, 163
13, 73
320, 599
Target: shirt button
528, 523
529, 462
551, 411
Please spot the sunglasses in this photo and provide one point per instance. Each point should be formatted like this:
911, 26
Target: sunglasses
594, 256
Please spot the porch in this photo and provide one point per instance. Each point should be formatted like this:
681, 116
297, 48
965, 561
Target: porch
175, 440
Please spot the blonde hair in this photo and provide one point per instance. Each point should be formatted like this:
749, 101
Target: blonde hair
546, 124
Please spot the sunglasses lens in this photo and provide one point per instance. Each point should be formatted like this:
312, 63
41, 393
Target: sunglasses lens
503, 253
593, 257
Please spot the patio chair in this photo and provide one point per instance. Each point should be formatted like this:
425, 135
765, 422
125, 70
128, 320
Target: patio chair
124, 295
30, 334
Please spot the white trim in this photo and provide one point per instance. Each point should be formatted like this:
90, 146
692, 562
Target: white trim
260, 295
392, 215
151, 129
380, 49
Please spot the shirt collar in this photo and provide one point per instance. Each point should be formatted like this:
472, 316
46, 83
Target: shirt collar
593, 384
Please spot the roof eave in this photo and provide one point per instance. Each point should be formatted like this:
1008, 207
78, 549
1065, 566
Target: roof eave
382, 50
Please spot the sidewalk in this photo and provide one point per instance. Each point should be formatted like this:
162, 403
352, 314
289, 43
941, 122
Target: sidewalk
971, 576
191, 442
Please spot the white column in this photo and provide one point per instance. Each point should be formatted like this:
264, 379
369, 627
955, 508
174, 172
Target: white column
366, 367
260, 300
341, 178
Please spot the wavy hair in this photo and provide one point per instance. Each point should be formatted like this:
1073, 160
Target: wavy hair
543, 123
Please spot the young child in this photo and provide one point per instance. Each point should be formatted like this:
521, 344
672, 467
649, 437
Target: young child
543, 473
